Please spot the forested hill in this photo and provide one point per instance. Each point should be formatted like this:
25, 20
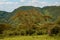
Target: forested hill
28, 20
53, 11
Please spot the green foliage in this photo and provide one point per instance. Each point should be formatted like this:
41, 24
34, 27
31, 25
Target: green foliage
58, 20
4, 27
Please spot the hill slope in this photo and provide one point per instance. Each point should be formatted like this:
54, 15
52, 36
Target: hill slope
29, 13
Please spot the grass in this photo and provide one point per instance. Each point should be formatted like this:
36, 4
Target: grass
42, 37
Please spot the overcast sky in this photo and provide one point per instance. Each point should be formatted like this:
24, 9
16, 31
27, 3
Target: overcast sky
10, 5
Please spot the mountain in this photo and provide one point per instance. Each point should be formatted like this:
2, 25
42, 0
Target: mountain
4, 16
29, 13
54, 11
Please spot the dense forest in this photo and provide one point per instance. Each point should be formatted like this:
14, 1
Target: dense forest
29, 20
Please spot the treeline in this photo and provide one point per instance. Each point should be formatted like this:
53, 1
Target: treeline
46, 28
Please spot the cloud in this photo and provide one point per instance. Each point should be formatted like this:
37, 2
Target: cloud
22, 0
8, 3
57, 3
34, 1
3, 0
42, 3
51, 4
37, 3
8, 8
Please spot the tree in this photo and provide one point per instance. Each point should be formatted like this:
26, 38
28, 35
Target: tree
4, 27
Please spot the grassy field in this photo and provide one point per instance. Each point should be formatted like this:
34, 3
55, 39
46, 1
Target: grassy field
42, 37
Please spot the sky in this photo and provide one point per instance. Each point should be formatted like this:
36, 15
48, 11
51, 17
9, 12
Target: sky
10, 5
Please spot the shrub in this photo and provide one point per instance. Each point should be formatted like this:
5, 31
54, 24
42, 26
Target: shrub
55, 30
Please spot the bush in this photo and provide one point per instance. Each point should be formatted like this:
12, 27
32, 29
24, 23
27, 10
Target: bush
30, 32
55, 30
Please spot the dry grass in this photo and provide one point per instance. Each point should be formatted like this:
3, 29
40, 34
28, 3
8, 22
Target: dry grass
42, 37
